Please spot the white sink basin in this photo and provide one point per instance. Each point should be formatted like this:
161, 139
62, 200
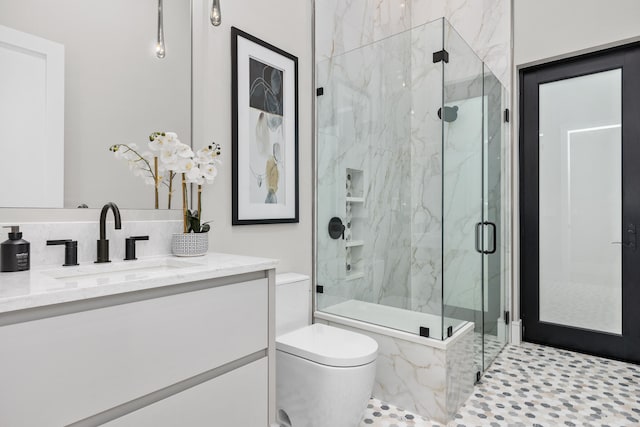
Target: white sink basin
117, 272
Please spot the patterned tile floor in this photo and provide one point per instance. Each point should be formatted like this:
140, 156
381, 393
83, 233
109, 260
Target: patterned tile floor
532, 385
492, 347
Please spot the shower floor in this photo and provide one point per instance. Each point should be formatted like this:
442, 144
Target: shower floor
533, 385
492, 347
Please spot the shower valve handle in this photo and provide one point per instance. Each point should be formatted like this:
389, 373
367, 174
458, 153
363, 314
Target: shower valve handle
336, 228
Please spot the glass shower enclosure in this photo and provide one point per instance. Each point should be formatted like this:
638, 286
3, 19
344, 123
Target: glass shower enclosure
410, 199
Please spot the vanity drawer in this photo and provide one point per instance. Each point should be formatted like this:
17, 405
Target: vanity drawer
59, 370
237, 398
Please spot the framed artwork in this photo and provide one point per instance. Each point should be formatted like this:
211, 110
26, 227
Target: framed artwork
265, 132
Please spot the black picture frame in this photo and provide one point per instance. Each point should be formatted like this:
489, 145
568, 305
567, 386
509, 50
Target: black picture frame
264, 126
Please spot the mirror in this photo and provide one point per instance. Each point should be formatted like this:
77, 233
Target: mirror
78, 76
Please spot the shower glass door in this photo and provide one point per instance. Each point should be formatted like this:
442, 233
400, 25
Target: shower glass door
496, 230
462, 236
473, 191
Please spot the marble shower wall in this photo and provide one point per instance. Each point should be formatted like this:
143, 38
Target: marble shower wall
344, 25
426, 169
364, 124
411, 216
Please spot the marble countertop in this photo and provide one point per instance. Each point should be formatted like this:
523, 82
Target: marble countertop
56, 284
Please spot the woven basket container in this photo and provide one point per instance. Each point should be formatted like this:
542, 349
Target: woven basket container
190, 244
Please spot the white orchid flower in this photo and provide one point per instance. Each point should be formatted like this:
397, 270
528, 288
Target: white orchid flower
209, 172
163, 140
193, 174
183, 150
204, 155
168, 156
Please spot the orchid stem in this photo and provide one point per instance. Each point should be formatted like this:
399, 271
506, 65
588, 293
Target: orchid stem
171, 175
184, 202
200, 203
155, 178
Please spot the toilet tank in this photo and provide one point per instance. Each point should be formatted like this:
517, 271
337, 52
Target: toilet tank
293, 302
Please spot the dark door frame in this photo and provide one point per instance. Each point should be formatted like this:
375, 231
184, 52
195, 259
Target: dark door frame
622, 347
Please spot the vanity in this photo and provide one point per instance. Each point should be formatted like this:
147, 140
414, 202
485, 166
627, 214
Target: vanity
162, 341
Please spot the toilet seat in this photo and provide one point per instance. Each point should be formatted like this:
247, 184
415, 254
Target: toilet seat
329, 346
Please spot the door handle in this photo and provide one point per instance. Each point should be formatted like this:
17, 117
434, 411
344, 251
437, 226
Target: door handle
633, 242
495, 236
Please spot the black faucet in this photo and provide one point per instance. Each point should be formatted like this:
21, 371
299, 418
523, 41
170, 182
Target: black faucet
70, 251
103, 243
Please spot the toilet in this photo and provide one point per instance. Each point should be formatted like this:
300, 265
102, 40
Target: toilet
324, 375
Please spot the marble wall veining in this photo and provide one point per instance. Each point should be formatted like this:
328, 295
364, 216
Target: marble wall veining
431, 381
344, 25
424, 176
363, 31
426, 169
484, 24
363, 117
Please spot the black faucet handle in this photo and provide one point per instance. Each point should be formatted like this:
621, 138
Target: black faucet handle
70, 251
130, 247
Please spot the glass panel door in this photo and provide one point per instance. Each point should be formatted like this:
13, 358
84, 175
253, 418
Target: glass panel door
462, 189
494, 213
580, 268
581, 202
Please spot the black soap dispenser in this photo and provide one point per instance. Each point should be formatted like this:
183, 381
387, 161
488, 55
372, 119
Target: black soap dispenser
15, 252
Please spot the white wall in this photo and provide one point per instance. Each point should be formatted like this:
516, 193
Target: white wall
116, 90
287, 25
548, 28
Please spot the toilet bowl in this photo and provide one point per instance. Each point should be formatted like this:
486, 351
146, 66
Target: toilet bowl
324, 375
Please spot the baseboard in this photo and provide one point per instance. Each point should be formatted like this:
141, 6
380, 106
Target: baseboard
502, 330
516, 332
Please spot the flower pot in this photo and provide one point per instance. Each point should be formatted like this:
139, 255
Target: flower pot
190, 244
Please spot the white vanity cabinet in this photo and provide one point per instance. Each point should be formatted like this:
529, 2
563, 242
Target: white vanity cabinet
190, 354
237, 398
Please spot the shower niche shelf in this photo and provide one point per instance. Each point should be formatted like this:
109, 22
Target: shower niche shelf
354, 184
354, 224
353, 263
355, 199
354, 276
